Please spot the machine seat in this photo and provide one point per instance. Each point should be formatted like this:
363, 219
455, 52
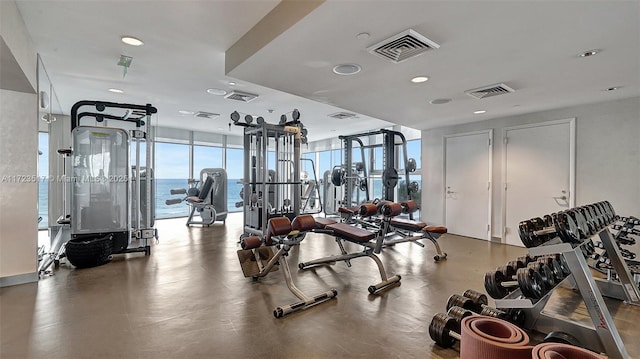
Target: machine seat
435, 229
407, 224
322, 222
351, 233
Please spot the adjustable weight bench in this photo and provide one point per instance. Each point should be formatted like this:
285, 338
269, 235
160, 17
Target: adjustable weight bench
408, 230
346, 232
257, 259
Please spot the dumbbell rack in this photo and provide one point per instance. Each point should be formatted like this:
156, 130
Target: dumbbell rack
601, 333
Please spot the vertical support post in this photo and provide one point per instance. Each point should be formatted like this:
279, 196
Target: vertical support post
389, 155
598, 311
297, 187
624, 275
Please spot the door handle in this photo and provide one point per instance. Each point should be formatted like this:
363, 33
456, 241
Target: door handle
450, 192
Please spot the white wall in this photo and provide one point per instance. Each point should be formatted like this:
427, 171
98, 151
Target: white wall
607, 157
18, 196
15, 35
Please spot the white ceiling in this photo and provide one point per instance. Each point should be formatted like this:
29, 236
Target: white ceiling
530, 45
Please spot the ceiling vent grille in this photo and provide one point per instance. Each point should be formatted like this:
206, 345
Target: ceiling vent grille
342, 115
241, 96
489, 91
203, 114
402, 46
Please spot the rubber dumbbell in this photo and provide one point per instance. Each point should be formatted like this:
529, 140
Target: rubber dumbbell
444, 328
537, 231
626, 230
545, 272
554, 265
503, 280
624, 240
630, 221
477, 302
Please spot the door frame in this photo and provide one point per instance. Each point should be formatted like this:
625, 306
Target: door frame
572, 164
489, 133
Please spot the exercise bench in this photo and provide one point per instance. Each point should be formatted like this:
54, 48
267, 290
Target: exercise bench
408, 230
257, 258
357, 235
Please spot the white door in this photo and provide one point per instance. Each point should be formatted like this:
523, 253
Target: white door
538, 173
467, 184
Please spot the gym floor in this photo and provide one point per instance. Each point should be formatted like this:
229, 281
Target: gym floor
189, 299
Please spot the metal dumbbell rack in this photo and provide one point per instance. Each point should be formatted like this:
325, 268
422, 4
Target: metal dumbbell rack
560, 309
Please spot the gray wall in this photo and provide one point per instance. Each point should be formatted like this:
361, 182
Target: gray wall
607, 157
18, 195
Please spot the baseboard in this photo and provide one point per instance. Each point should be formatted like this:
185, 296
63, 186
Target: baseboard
18, 279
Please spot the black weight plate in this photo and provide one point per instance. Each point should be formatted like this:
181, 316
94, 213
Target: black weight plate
337, 177
538, 224
545, 272
525, 231
590, 222
508, 271
583, 227
439, 329
495, 313
458, 314
531, 283
516, 264
493, 284
478, 299
390, 178
562, 337
456, 300
596, 216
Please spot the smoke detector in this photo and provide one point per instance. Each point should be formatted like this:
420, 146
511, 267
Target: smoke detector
402, 46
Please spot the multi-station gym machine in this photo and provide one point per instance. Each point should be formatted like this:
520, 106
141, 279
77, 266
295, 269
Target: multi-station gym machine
107, 197
270, 192
353, 176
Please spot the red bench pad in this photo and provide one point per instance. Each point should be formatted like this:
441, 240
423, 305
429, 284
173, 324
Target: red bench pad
351, 233
323, 222
408, 224
435, 229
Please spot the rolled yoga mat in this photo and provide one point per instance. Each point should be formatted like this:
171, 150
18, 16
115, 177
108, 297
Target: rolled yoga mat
492, 338
562, 351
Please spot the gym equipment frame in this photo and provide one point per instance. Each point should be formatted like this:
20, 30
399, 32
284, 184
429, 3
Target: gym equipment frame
559, 309
209, 200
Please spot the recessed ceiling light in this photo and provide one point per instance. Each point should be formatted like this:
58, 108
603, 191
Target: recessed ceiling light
217, 92
613, 88
130, 40
479, 112
231, 83
419, 79
115, 90
440, 101
363, 35
347, 69
186, 112
589, 53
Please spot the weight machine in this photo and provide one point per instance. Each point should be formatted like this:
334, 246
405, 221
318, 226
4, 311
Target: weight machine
108, 199
268, 194
348, 174
208, 201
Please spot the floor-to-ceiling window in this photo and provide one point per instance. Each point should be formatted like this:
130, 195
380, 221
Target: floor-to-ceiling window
43, 182
171, 171
235, 173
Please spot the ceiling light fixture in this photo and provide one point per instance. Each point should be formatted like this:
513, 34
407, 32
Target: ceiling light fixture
231, 83
613, 88
186, 112
589, 53
419, 79
363, 36
217, 92
347, 69
440, 101
133, 41
479, 112
115, 90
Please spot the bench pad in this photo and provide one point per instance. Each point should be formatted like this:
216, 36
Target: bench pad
351, 233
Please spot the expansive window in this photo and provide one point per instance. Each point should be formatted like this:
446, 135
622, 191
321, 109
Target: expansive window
206, 157
235, 172
171, 171
43, 183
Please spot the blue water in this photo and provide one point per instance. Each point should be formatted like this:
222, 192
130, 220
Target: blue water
163, 188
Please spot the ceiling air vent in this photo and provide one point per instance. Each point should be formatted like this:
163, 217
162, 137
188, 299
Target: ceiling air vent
488, 91
241, 96
402, 46
342, 115
203, 114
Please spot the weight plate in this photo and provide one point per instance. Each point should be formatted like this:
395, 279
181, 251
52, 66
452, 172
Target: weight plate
362, 184
507, 271
439, 329
414, 187
516, 264
495, 313
390, 178
235, 117
411, 165
477, 298
456, 300
545, 272
337, 177
295, 115
493, 284
531, 283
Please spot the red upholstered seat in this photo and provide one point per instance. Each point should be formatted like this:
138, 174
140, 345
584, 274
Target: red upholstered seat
194, 199
351, 233
322, 222
408, 224
435, 229
352, 210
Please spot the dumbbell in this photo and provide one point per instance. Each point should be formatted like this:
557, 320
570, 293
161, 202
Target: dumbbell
504, 279
626, 229
444, 328
477, 302
537, 231
624, 240
630, 221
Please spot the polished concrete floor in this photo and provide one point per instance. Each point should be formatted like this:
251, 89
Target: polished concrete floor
189, 299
